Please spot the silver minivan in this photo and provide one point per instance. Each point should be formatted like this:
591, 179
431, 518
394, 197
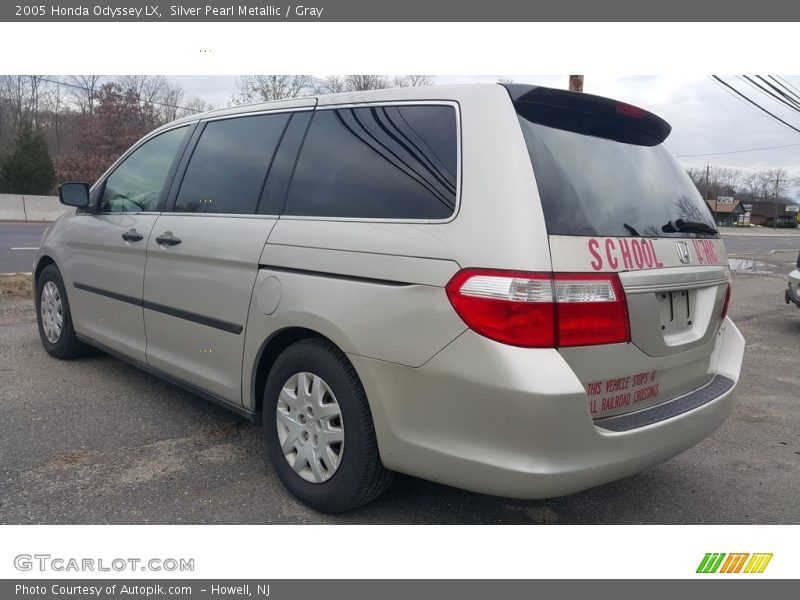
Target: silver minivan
511, 289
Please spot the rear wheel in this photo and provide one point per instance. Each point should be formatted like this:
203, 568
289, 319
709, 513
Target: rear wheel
318, 429
54, 318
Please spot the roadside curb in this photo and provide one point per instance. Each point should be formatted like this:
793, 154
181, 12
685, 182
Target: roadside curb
793, 233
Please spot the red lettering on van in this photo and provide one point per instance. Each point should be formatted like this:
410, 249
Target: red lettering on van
706, 252
610, 247
698, 250
711, 252
647, 251
597, 263
626, 254
636, 250
657, 263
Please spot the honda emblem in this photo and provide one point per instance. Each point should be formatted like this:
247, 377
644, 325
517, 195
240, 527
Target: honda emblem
683, 252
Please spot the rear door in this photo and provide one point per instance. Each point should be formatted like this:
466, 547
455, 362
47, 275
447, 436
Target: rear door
202, 258
107, 248
615, 202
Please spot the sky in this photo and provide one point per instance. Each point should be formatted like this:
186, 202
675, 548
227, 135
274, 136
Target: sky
705, 117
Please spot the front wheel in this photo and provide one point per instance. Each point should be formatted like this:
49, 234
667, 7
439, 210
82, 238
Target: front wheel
54, 318
318, 429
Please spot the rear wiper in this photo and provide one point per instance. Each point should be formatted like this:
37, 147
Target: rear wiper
631, 229
682, 226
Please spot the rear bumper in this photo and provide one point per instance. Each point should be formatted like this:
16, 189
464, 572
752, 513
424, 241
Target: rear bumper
514, 422
792, 293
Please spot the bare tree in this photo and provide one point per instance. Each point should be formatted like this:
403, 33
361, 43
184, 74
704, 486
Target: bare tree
194, 105
171, 98
358, 83
16, 91
83, 91
147, 89
412, 80
698, 177
332, 84
260, 88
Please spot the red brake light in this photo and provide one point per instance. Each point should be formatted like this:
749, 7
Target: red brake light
541, 310
513, 307
630, 110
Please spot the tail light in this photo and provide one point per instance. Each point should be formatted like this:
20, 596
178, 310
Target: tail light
541, 310
726, 302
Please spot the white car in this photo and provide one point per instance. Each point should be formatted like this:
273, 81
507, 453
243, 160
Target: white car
793, 290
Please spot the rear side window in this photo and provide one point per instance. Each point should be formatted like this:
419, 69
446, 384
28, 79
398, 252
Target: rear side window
380, 162
229, 165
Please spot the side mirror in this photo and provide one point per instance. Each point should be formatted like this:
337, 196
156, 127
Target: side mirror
74, 194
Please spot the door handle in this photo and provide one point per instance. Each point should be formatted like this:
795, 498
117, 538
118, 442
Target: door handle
132, 236
168, 239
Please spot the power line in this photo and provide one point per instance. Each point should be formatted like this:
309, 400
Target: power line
791, 97
788, 83
727, 89
772, 96
785, 86
116, 94
756, 104
736, 151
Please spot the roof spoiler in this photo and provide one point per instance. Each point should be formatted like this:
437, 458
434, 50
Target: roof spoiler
588, 114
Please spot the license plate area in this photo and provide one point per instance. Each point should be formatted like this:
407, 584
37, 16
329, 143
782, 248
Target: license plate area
675, 310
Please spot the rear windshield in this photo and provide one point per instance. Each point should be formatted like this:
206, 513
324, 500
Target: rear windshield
599, 187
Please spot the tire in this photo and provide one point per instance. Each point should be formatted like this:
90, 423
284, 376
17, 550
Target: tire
65, 344
341, 481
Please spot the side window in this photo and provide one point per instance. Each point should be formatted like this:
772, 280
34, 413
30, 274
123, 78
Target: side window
383, 162
229, 165
136, 184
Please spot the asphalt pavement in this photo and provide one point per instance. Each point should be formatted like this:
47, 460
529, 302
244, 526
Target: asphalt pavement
97, 441
18, 245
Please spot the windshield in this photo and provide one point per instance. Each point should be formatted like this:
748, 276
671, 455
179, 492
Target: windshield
599, 187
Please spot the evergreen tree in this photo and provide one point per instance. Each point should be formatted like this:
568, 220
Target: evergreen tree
29, 168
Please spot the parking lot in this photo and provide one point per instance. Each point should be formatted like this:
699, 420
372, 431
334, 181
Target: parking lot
97, 441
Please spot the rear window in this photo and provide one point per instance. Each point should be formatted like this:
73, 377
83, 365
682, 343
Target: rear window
592, 186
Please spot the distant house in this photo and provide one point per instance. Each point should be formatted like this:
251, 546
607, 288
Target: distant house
729, 211
764, 213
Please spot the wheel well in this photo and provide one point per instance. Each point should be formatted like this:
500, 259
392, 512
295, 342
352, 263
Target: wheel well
277, 344
43, 262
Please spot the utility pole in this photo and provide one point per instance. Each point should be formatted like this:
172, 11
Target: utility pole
576, 83
708, 168
775, 198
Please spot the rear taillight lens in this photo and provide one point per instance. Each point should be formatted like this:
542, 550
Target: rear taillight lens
726, 302
512, 307
590, 309
541, 310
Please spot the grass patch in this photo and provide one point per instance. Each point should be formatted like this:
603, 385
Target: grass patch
16, 285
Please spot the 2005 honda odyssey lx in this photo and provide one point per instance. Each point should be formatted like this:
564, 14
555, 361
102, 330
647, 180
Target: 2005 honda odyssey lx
510, 289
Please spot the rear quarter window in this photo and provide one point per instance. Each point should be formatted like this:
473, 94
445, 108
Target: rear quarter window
378, 162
